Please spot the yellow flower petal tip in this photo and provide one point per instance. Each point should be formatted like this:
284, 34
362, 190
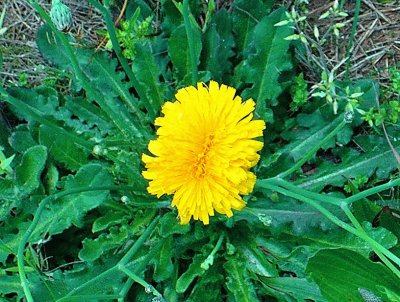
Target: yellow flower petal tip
204, 150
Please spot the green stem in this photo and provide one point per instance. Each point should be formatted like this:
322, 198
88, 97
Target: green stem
189, 34
372, 191
94, 94
380, 250
31, 228
320, 197
139, 242
125, 289
375, 245
139, 280
325, 212
352, 35
310, 153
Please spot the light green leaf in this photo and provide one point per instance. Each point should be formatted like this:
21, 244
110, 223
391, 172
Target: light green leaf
28, 173
190, 274
238, 281
340, 273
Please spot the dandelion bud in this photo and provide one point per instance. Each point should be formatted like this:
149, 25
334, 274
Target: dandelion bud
61, 15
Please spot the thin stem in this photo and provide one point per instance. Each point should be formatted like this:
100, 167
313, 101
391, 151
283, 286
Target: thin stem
189, 34
124, 291
380, 250
375, 245
320, 197
137, 279
372, 191
352, 34
309, 201
310, 153
139, 242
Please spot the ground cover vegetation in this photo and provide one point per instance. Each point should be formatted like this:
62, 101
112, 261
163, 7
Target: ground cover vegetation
137, 173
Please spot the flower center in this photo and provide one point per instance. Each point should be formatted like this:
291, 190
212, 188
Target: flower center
199, 170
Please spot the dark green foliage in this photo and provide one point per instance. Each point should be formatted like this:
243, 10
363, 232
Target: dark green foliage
118, 242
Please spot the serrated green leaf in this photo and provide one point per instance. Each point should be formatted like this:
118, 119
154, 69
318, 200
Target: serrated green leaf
21, 139
297, 288
245, 16
287, 215
340, 239
170, 225
163, 265
266, 62
93, 249
107, 219
70, 210
104, 84
62, 284
178, 50
10, 285
217, 46
379, 160
190, 274
340, 273
148, 74
238, 281
256, 262
63, 149
28, 173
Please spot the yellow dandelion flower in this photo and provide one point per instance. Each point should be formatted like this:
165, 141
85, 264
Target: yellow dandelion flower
204, 150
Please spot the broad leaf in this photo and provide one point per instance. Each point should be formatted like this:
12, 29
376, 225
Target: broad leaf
29, 171
341, 273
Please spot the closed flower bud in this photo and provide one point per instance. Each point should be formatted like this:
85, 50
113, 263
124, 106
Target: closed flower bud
61, 15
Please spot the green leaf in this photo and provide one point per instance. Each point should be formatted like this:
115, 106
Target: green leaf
148, 74
217, 46
170, 225
238, 281
246, 14
269, 57
28, 173
21, 139
287, 215
62, 148
10, 285
379, 159
178, 50
341, 239
70, 210
164, 267
190, 274
256, 262
340, 273
298, 288
93, 249
104, 84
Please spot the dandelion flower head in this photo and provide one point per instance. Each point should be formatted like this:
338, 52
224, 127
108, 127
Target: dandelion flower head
204, 150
